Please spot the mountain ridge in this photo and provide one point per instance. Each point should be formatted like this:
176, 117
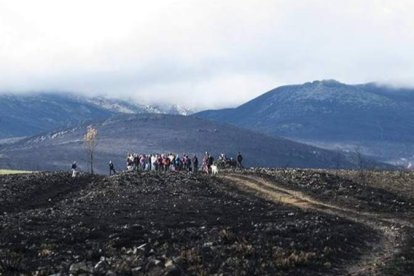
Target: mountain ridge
31, 114
161, 133
370, 117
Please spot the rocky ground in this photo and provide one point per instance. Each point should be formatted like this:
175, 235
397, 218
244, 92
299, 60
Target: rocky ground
165, 224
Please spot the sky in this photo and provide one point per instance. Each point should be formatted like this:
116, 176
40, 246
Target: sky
201, 53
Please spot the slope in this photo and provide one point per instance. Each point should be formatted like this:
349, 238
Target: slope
373, 118
157, 133
31, 114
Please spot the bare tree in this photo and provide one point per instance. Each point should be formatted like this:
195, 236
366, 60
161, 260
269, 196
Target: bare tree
361, 167
90, 144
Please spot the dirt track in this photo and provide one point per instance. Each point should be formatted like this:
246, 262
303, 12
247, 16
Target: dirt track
389, 245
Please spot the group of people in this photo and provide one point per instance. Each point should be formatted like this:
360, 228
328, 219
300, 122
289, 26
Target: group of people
171, 162
174, 162
226, 162
161, 162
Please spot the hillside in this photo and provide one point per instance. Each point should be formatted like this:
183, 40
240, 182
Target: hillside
32, 114
373, 119
152, 133
186, 224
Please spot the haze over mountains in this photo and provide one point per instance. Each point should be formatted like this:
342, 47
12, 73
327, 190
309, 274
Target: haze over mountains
375, 120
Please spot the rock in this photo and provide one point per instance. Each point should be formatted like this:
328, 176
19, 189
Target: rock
136, 271
81, 267
327, 265
169, 263
142, 247
101, 266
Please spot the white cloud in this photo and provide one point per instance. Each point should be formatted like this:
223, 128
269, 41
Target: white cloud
204, 53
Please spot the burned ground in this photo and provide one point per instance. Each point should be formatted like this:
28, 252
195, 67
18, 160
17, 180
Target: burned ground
156, 224
340, 189
384, 198
29, 191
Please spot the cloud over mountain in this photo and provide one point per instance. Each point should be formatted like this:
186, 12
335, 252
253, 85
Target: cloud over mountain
201, 53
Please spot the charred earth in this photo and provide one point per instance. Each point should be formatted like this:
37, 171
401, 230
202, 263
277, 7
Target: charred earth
184, 224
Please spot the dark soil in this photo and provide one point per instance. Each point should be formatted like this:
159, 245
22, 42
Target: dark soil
403, 262
29, 191
340, 190
164, 224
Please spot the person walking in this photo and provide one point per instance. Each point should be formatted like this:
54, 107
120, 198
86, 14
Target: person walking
111, 168
239, 161
195, 164
205, 163
74, 167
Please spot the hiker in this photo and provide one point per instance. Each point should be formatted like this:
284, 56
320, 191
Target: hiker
210, 162
142, 160
239, 161
154, 164
166, 163
205, 163
160, 163
178, 164
74, 166
111, 168
130, 162
222, 157
195, 164
148, 162
136, 161
188, 163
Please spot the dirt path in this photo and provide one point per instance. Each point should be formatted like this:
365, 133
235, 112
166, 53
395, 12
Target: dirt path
389, 228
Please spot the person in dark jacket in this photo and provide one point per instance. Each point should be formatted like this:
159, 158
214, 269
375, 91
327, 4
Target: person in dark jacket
74, 167
239, 161
195, 164
111, 168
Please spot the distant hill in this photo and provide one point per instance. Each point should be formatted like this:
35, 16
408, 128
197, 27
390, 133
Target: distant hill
152, 133
31, 114
373, 119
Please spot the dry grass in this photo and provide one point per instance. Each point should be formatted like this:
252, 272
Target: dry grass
13, 171
287, 259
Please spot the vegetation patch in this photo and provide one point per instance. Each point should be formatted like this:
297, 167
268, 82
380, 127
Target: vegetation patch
13, 171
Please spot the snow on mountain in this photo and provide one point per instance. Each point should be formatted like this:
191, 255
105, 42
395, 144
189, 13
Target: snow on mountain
131, 107
377, 120
30, 114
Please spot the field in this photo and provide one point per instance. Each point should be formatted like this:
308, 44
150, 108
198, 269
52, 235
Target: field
255, 222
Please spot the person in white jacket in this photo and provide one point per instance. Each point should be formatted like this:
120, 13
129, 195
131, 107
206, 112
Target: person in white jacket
154, 159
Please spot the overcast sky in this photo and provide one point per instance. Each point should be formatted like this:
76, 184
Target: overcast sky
201, 53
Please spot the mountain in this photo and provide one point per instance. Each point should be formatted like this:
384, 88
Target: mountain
158, 133
373, 119
131, 107
27, 115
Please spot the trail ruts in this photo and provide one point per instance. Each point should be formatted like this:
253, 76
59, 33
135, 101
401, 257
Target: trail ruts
390, 228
